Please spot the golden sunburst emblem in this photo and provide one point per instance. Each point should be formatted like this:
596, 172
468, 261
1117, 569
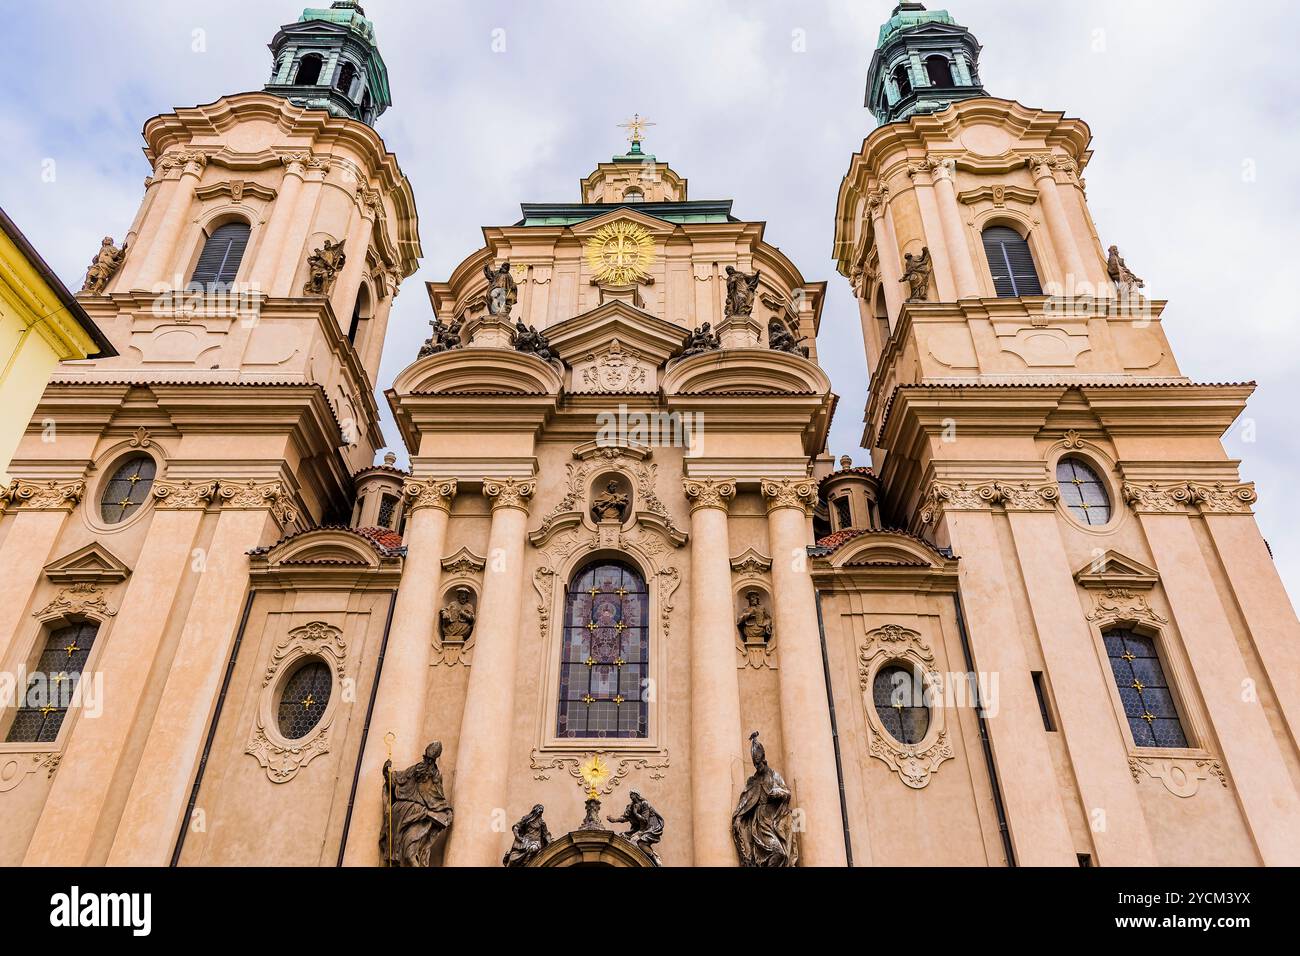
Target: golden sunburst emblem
620, 252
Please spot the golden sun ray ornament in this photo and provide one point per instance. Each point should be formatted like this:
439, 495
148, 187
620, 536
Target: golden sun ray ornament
620, 252
594, 772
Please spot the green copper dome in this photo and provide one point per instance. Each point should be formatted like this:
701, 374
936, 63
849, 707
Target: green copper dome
907, 15
329, 60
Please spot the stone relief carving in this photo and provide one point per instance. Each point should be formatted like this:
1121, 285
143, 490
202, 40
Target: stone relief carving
975, 496
567, 512
914, 763
1174, 497
49, 495
17, 767
1113, 605
1181, 776
280, 758
80, 598
611, 504
103, 267
615, 369
185, 494
543, 765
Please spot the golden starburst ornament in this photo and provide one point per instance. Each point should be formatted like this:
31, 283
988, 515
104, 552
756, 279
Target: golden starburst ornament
594, 772
620, 252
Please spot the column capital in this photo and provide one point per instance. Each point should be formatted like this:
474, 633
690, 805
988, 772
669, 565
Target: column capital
509, 492
709, 492
1156, 497
943, 496
798, 493
49, 495
184, 495
429, 493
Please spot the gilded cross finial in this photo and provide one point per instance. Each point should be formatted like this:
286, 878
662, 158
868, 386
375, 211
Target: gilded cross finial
636, 128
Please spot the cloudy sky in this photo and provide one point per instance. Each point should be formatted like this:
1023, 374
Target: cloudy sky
1193, 106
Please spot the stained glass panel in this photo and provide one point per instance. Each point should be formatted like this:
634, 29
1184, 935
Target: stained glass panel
1082, 491
899, 699
128, 490
1148, 703
604, 657
51, 684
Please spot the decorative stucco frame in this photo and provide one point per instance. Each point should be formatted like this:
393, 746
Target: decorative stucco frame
281, 758
464, 569
752, 571
895, 644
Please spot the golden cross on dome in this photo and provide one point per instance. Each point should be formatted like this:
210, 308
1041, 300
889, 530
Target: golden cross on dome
636, 128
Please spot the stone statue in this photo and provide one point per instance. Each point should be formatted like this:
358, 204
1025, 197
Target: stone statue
442, 338
763, 826
103, 267
416, 811
781, 339
917, 275
612, 504
529, 340
531, 838
456, 620
646, 825
740, 291
700, 340
502, 292
1125, 281
755, 622
323, 266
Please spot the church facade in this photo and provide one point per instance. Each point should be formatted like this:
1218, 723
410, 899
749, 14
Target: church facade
623, 607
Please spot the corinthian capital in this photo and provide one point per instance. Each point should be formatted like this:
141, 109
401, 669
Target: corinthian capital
798, 493
429, 493
46, 495
509, 492
249, 494
184, 495
709, 492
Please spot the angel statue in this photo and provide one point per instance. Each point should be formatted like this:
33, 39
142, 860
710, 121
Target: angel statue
763, 824
917, 275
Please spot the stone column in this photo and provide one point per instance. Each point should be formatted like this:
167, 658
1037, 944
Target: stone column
954, 233
1256, 768
293, 252
1036, 813
934, 238
348, 283
716, 734
66, 831
155, 807
483, 753
1058, 223
1081, 682
403, 684
891, 273
283, 214
162, 251
805, 714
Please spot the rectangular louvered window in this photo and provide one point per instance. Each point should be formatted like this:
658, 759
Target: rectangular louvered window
1011, 263
222, 253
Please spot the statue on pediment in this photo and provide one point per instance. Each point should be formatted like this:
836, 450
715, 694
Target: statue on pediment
781, 339
531, 341
532, 836
700, 340
442, 338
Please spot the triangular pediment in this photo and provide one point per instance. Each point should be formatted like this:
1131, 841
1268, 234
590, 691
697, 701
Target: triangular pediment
652, 224
94, 563
617, 321
1113, 569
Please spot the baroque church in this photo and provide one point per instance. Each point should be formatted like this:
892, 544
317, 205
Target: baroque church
623, 608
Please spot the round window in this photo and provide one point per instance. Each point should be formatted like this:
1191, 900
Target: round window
1082, 492
128, 490
899, 697
302, 704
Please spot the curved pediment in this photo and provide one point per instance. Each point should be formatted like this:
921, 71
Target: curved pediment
323, 546
748, 371
472, 370
886, 549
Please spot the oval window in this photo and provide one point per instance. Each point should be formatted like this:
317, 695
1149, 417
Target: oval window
899, 698
302, 704
128, 490
1082, 492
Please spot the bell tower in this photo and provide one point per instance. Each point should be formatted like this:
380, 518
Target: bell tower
1026, 414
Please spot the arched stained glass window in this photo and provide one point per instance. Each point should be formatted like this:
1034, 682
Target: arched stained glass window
302, 704
51, 684
128, 490
899, 698
605, 654
1148, 703
1082, 491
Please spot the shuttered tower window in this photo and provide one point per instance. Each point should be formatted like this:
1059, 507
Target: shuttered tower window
219, 261
1011, 263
